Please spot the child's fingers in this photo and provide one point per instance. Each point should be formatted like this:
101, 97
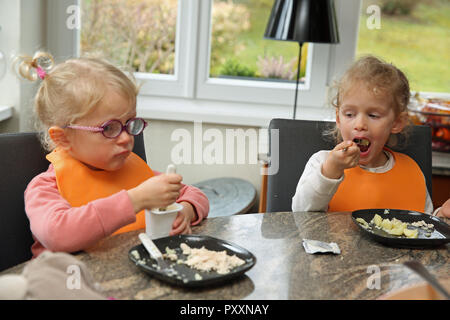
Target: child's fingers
174, 187
348, 153
343, 145
176, 223
353, 150
174, 178
178, 227
346, 149
172, 196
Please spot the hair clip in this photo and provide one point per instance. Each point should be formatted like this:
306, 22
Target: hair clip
44, 62
41, 73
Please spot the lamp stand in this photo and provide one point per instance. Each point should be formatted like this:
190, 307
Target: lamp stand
298, 77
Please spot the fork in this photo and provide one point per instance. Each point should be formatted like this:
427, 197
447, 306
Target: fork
417, 267
153, 251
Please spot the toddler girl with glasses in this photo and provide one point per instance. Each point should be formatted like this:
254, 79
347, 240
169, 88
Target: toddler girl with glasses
95, 185
361, 172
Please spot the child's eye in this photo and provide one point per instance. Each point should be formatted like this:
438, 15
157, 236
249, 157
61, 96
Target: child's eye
374, 116
108, 128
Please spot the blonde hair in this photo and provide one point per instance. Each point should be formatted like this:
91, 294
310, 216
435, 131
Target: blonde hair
379, 77
72, 89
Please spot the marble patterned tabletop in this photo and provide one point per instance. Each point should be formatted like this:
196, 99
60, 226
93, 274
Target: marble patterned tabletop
364, 270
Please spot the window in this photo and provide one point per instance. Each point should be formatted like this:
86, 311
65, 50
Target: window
141, 36
194, 72
138, 35
238, 49
213, 84
413, 35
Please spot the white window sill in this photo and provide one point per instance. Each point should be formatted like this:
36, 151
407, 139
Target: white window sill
233, 113
6, 112
209, 111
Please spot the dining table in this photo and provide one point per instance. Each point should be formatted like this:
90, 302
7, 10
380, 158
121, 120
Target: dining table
364, 269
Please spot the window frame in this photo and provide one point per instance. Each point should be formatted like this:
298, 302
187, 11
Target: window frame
257, 91
179, 84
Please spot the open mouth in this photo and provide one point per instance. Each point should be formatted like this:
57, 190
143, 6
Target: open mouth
363, 144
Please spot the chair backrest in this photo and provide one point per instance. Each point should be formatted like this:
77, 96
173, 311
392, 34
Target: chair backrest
22, 158
139, 146
298, 140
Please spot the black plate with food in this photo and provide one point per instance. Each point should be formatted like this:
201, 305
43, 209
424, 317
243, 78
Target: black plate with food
180, 273
423, 230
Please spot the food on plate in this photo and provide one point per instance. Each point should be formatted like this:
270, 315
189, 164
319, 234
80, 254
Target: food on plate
386, 224
397, 227
411, 233
377, 220
203, 259
397, 230
363, 223
422, 224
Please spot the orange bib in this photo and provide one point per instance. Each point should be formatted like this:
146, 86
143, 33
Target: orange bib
80, 185
402, 187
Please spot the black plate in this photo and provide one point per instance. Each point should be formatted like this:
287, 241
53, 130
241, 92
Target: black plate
439, 236
185, 276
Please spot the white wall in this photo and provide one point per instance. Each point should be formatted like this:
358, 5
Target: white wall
9, 42
22, 24
159, 145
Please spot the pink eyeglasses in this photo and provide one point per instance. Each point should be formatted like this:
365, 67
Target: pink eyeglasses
113, 128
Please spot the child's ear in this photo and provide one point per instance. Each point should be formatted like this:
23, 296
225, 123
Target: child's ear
59, 137
400, 122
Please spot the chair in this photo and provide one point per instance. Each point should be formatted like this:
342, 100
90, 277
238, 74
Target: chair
22, 158
300, 139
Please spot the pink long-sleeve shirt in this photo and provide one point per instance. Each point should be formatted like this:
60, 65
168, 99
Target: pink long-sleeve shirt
57, 226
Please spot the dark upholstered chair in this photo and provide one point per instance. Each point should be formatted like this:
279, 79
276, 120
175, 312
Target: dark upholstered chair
300, 139
22, 158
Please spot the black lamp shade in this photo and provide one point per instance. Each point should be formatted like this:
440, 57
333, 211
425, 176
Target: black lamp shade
303, 21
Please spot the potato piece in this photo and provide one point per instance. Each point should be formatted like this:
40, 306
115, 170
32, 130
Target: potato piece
377, 220
396, 223
409, 233
397, 230
386, 224
362, 222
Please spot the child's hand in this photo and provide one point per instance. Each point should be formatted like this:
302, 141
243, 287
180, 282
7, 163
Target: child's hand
156, 192
344, 156
182, 223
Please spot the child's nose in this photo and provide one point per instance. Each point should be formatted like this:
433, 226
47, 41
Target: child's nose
124, 137
360, 123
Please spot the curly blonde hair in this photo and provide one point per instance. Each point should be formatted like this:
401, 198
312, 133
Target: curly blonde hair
379, 77
72, 89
